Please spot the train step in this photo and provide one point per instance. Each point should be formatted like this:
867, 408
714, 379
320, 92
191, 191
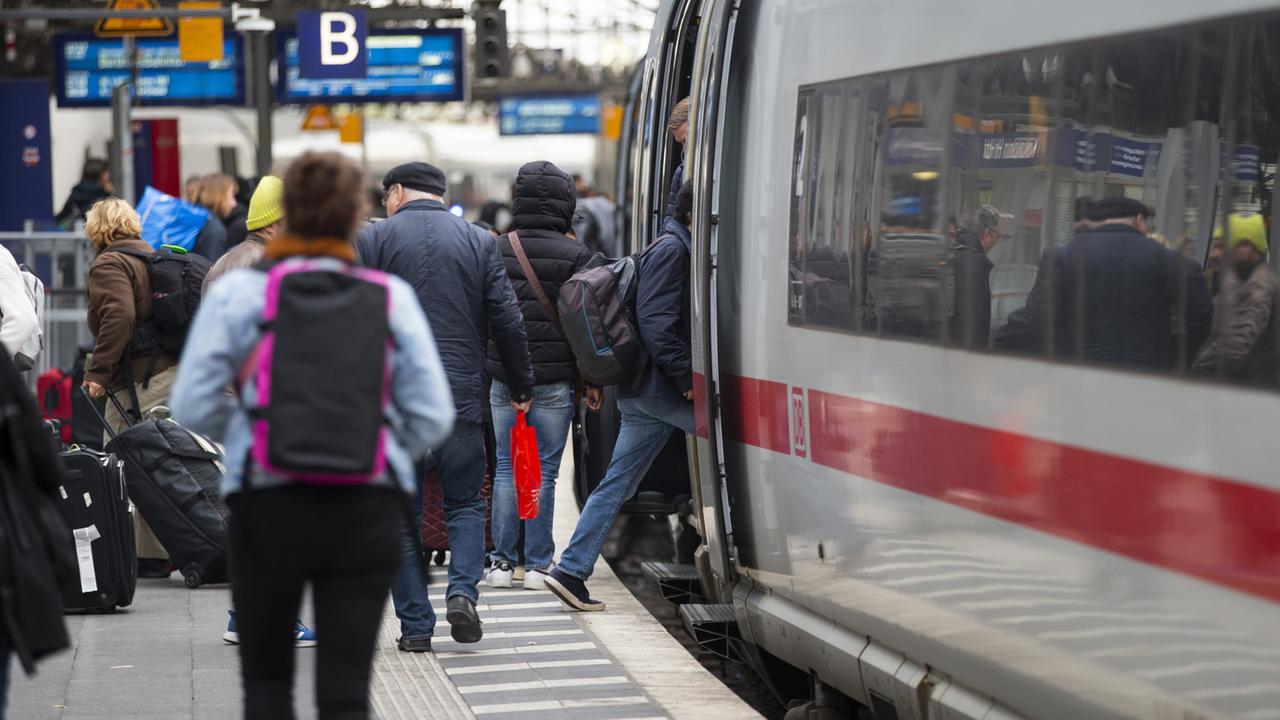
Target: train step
679, 583
714, 628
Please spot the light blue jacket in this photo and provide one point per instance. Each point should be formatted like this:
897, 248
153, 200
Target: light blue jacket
225, 332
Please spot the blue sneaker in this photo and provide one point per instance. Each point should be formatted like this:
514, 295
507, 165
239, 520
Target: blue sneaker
303, 636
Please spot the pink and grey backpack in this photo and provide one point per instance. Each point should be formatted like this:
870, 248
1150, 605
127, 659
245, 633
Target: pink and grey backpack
323, 374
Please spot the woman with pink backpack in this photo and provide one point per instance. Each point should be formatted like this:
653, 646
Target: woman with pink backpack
339, 389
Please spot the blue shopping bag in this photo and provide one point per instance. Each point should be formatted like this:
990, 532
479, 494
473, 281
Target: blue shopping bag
166, 220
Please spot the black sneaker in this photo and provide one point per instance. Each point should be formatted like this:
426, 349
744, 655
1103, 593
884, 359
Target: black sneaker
464, 623
572, 591
416, 645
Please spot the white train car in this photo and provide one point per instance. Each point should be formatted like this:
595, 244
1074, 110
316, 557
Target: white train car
937, 529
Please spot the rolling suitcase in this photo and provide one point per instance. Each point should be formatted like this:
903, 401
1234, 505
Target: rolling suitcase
173, 477
94, 502
435, 535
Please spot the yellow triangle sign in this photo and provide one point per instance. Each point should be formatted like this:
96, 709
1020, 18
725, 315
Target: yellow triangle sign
120, 27
319, 117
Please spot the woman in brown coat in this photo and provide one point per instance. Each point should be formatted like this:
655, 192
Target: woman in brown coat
119, 299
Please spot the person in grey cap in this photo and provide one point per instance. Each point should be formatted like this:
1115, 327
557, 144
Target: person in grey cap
458, 273
971, 321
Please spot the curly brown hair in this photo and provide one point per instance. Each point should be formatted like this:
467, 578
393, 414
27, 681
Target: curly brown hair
323, 196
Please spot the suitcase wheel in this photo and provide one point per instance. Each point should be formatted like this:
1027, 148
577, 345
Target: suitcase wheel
191, 576
439, 558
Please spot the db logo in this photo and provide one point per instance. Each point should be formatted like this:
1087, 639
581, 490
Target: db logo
799, 434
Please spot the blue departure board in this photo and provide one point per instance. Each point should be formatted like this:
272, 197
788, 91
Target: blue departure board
404, 66
549, 115
89, 68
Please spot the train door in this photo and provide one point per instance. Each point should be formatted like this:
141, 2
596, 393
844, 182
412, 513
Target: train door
664, 79
710, 124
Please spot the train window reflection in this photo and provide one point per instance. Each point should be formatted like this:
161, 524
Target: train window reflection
1106, 202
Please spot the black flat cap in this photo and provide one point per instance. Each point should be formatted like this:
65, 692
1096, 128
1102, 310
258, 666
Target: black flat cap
416, 176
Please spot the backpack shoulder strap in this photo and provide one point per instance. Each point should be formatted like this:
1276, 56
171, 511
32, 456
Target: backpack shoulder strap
133, 253
547, 306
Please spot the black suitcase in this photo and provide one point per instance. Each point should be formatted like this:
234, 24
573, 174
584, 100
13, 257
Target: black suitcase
174, 477
94, 502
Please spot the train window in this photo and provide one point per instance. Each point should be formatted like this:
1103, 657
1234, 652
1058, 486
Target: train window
1092, 202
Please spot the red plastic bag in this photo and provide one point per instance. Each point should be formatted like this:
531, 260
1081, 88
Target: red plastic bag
526, 468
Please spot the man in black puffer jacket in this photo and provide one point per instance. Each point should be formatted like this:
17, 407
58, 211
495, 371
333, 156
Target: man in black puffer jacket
544, 200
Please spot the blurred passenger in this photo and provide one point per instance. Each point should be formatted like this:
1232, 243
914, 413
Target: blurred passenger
1213, 266
585, 229
191, 189
678, 126
544, 203
218, 196
1245, 344
971, 321
462, 284
95, 184
287, 533
1114, 295
264, 221
602, 210
119, 290
486, 227
237, 230
37, 556
657, 403
497, 215
19, 323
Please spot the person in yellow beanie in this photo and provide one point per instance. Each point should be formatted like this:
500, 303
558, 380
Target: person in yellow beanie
1245, 344
264, 222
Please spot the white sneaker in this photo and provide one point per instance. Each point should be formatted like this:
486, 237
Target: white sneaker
500, 575
535, 580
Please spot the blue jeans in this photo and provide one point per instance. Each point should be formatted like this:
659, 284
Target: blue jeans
646, 425
550, 416
461, 465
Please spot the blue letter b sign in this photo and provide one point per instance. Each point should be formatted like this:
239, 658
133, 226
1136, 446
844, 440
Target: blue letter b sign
331, 45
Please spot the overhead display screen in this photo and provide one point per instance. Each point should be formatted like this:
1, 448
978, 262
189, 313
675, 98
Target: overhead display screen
89, 69
549, 115
404, 66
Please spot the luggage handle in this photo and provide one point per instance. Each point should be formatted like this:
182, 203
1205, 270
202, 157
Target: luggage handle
101, 415
191, 454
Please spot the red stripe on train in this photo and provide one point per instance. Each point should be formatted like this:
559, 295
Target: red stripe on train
1208, 527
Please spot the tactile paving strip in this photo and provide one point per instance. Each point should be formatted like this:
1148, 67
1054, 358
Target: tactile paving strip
534, 662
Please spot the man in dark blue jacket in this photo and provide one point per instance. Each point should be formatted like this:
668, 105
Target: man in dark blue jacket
657, 403
462, 283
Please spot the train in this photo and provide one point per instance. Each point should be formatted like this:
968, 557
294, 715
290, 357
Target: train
929, 529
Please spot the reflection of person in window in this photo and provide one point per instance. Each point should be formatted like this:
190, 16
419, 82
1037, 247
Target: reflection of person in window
1113, 295
971, 323
1245, 345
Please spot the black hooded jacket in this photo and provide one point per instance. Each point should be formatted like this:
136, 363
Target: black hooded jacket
543, 210
36, 552
82, 197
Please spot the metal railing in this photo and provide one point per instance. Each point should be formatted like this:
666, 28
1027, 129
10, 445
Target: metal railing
61, 260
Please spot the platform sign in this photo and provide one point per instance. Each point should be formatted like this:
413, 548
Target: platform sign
136, 27
200, 38
25, 160
89, 68
331, 45
403, 66
549, 115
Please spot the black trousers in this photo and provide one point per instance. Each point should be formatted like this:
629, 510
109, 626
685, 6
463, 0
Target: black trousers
345, 542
